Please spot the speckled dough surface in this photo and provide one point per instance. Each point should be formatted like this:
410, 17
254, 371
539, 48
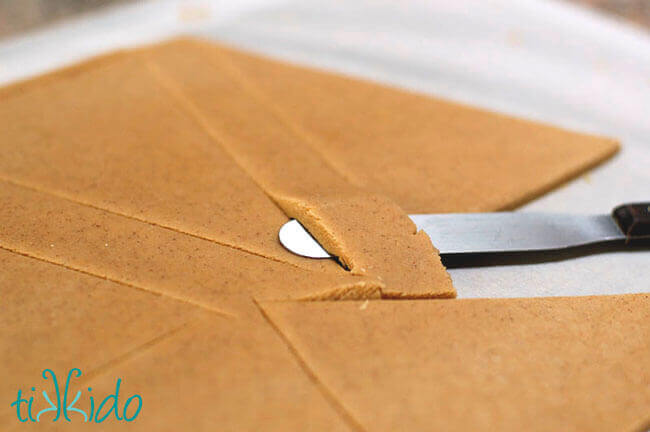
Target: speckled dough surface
369, 233
141, 196
571, 364
170, 143
156, 259
126, 147
428, 155
193, 369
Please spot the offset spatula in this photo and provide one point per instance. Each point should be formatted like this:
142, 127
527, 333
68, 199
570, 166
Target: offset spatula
505, 232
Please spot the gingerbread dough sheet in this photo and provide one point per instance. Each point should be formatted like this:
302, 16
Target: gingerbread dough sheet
571, 364
155, 181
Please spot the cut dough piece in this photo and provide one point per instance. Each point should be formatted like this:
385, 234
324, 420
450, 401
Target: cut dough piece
158, 259
578, 364
427, 154
107, 134
385, 244
369, 233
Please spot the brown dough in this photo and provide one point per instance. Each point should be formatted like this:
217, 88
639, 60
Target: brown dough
539, 364
143, 143
156, 259
224, 375
169, 170
370, 234
194, 370
53, 317
106, 134
426, 154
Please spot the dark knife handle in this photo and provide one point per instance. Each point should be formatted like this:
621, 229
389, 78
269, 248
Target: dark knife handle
634, 220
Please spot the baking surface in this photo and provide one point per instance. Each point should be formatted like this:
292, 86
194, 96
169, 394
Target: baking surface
566, 66
19, 16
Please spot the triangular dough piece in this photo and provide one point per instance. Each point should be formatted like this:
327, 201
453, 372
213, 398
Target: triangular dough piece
427, 154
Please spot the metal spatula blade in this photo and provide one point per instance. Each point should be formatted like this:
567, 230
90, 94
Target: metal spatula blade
515, 232
471, 233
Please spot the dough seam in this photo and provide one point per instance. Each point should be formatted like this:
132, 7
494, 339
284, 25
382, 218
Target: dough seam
335, 403
63, 196
120, 282
354, 291
190, 108
113, 363
129, 355
318, 229
290, 207
304, 135
186, 105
